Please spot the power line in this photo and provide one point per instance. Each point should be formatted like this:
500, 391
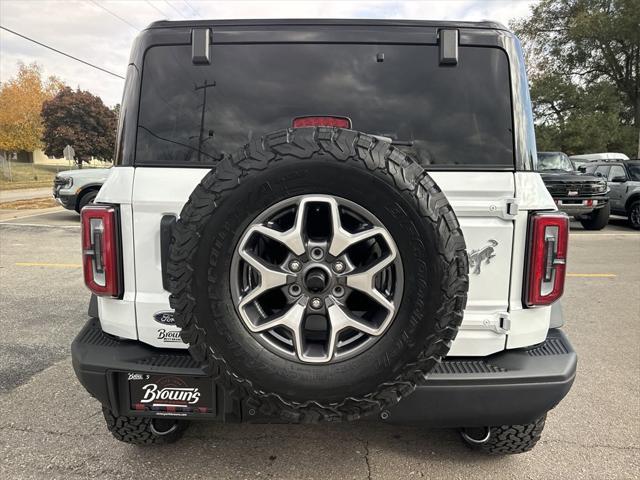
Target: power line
114, 14
164, 15
62, 53
174, 8
192, 8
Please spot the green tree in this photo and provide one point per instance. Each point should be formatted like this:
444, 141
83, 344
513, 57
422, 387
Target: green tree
584, 67
82, 120
577, 119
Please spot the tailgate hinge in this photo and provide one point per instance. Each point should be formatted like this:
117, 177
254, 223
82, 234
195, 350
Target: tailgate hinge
510, 210
498, 322
502, 324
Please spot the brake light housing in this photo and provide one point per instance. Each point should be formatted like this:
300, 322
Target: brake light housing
322, 121
101, 250
547, 259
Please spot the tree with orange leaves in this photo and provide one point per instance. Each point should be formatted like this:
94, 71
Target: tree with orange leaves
21, 100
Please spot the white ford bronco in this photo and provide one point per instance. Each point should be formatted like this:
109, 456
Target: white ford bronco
322, 221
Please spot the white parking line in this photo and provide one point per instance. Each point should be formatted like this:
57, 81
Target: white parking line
48, 211
52, 265
592, 275
622, 234
39, 225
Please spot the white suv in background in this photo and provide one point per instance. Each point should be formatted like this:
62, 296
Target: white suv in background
74, 189
583, 159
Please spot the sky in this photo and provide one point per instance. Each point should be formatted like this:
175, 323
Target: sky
101, 32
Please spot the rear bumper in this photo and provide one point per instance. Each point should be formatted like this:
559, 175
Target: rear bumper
511, 387
507, 388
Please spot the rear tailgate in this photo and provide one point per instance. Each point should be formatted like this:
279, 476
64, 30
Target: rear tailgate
485, 205
481, 201
157, 192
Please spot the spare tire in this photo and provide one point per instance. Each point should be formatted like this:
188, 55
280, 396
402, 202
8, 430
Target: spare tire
319, 274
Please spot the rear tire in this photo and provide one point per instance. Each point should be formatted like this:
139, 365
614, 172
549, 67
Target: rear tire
634, 215
598, 219
86, 199
144, 430
505, 439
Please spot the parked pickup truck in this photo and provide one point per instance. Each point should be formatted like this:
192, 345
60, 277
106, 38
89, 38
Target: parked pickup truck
577, 194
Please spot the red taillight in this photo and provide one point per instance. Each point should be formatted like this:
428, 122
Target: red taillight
322, 121
548, 238
100, 256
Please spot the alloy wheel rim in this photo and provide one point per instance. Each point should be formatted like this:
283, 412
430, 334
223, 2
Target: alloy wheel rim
316, 279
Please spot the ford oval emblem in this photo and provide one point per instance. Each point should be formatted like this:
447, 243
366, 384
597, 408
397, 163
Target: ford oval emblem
165, 317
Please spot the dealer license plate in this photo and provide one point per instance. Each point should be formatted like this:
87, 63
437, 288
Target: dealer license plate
170, 393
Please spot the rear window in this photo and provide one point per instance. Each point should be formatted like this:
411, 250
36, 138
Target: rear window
193, 115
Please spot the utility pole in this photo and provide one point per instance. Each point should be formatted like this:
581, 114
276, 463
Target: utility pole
203, 87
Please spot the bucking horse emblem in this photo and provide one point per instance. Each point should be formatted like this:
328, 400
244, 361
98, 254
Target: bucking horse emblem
485, 254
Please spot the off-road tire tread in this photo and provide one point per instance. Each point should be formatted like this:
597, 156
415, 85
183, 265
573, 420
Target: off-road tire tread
510, 439
345, 146
136, 431
634, 204
82, 201
597, 219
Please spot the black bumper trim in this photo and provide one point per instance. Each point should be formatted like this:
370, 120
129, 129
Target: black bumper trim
602, 198
67, 201
510, 387
507, 388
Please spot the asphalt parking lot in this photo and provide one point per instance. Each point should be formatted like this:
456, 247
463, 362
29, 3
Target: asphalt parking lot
51, 428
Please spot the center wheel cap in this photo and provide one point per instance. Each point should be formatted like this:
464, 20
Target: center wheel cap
316, 280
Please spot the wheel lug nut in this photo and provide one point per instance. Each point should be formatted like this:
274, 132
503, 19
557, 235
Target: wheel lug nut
295, 265
338, 267
295, 290
315, 303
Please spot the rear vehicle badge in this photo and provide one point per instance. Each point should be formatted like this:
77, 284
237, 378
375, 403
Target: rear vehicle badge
165, 317
485, 254
169, 336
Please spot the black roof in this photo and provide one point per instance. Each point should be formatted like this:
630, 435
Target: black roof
311, 22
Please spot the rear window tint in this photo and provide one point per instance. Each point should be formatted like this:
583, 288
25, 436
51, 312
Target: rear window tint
193, 115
